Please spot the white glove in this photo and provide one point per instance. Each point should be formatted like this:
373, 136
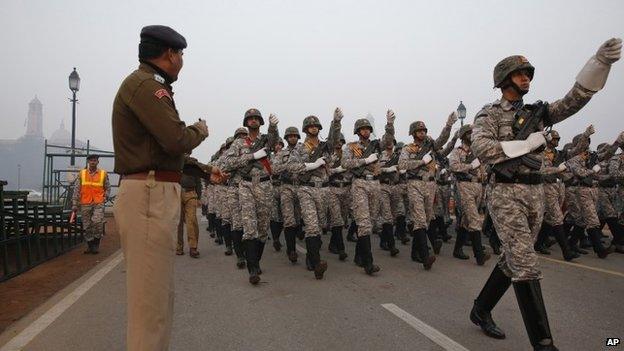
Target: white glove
593, 75
338, 115
336, 170
370, 159
310, 166
452, 118
260, 154
402, 171
562, 167
516, 148
390, 116
273, 120
596, 168
320, 161
443, 171
427, 158
389, 169
590, 130
475, 163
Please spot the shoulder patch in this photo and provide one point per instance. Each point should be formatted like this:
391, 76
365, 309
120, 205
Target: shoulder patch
159, 78
160, 93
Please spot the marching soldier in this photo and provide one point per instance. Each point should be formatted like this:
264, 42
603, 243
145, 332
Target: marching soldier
443, 190
233, 204
616, 171
388, 178
91, 189
470, 174
416, 158
248, 157
361, 160
339, 200
607, 196
277, 223
516, 204
308, 162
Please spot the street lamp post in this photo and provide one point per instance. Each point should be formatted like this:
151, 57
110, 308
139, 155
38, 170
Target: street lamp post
461, 112
74, 86
19, 177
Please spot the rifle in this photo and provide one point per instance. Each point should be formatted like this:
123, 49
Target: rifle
426, 147
314, 155
527, 120
373, 146
256, 146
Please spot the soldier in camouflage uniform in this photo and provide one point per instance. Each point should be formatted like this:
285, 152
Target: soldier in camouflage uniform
222, 211
288, 191
388, 178
607, 195
554, 191
233, 204
248, 157
616, 171
516, 204
308, 161
416, 158
277, 223
470, 175
402, 203
361, 160
443, 190
339, 200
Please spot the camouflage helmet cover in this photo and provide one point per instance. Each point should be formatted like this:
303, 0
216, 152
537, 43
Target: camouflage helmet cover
554, 134
416, 126
311, 121
252, 112
466, 128
239, 131
400, 145
602, 146
362, 123
292, 131
510, 64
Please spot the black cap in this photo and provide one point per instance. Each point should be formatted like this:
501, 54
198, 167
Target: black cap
162, 35
93, 156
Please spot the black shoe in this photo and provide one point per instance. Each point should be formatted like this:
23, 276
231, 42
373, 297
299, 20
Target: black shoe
342, 255
531, 303
252, 248
351, 233
493, 290
89, 249
599, 249
367, 255
420, 238
478, 250
458, 250
240, 262
560, 236
277, 245
96, 246
228, 251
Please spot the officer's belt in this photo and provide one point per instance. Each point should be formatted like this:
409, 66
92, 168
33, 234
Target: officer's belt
464, 177
528, 179
607, 183
387, 181
256, 179
339, 184
443, 182
417, 177
159, 176
551, 178
367, 177
315, 184
571, 182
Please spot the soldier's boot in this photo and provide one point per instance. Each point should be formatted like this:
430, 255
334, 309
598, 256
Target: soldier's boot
420, 237
531, 303
291, 248
585, 242
252, 249
433, 238
559, 233
495, 243
493, 290
358, 258
458, 250
260, 252
338, 243
89, 249
477, 249
442, 229
401, 230
237, 236
617, 230
219, 238
300, 233
540, 242
386, 232
383, 243
333, 247
313, 246
351, 233
227, 237
211, 224
595, 234
367, 255
193, 252
575, 236
276, 230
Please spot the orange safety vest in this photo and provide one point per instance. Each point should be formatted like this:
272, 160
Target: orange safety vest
92, 187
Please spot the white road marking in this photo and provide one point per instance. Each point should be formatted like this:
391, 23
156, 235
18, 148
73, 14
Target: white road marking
433, 334
29, 333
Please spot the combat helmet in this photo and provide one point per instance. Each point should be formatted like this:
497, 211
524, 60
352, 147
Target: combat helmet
466, 128
554, 134
252, 112
292, 131
416, 126
311, 121
601, 147
400, 145
362, 123
239, 131
510, 64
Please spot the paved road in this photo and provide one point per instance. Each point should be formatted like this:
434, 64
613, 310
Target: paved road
217, 309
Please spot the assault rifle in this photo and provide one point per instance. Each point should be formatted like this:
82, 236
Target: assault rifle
256, 146
373, 147
314, 155
528, 120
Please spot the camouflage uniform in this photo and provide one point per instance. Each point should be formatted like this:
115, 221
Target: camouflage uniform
616, 171
443, 179
421, 189
388, 179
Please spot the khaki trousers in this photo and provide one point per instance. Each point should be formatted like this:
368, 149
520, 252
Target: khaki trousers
147, 214
188, 216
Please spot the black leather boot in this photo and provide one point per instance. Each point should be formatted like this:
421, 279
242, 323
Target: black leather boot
212, 218
531, 303
260, 252
227, 237
237, 237
300, 233
351, 234
386, 232
252, 248
420, 237
89, 249
401, 230
493, 290
358, 259
96, 246
617, 230
559, 233
367, 255
433, 238
276, 230
540, 242
595, 234
442, 229
477, 249
290, 238
458, 250
219, 230
313, 246
576, 235
338, 243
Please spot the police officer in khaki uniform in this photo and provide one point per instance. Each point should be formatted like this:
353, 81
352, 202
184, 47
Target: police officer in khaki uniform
150, 141
516, 202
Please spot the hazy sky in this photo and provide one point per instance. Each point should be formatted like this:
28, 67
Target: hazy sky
295, 58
